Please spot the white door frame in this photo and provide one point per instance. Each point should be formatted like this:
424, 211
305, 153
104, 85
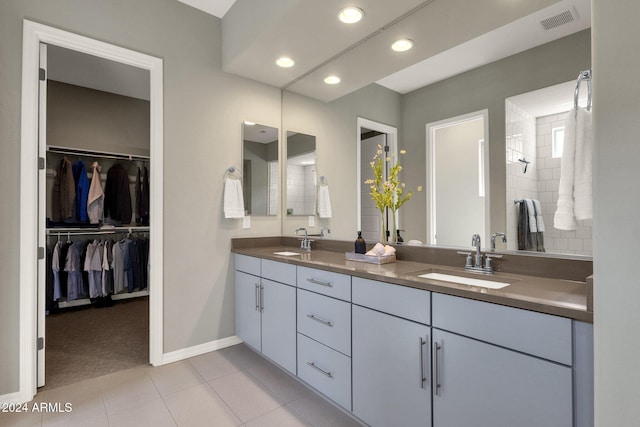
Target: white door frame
33, 35
392, 142
431, 129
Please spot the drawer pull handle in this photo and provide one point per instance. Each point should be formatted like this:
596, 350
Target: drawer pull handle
322, 371
436, 369
423, 378
318, 282
319, 320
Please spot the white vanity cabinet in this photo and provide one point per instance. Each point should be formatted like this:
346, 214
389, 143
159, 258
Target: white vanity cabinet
324, 333
496, 366
391, 354
266, 308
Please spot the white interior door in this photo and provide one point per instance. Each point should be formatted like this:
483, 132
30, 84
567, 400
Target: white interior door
42, 243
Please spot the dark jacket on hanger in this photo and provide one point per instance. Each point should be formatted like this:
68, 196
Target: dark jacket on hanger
82, 191
117, 198
142, 197
63, 193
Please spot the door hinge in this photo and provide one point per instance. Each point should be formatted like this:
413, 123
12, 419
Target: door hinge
386, 148
41, 163
40, 343
40, 252
42, 75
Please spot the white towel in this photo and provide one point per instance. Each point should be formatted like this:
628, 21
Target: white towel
564, 218
324, 202
583, 170
539, 220
95, 200
531, 212
377, 250
233, 200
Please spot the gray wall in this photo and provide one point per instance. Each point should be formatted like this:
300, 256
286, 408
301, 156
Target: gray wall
203, 110
483, 88
334, 125
616, 108
91, 119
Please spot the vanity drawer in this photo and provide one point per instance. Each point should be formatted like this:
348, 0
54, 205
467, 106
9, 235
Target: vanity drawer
326, 370
538, 334
325, 282
325, 319
279, 272
409, 303
248, 264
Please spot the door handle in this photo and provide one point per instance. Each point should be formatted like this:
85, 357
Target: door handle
261, 298
256, 297
422, 343
436, 369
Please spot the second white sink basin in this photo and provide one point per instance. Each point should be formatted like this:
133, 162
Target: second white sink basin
286, 253
465, 280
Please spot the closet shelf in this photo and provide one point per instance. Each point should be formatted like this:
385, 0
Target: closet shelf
87, 301
93, 153
91, 230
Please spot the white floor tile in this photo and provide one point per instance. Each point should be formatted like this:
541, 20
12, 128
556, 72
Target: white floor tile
282, 385
245, 395
319, 413
281, 417
214, 365
175, 376
153, 413
200, 406
126, 390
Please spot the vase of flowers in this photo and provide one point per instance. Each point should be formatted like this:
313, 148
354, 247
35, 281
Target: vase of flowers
388, 194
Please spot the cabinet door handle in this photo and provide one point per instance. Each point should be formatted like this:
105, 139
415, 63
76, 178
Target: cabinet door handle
322, 371
261, 298
318, 282
422, 343
319, 320
436, 369
255, 295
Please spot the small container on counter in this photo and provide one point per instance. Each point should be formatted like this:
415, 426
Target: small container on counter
360, 245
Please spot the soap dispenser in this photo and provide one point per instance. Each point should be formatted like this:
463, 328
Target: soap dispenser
399, 238
361, 245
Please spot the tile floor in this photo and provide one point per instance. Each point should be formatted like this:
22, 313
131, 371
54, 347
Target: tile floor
230, 387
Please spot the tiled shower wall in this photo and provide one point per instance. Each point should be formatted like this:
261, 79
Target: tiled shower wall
529, 137
521, 144
301, 183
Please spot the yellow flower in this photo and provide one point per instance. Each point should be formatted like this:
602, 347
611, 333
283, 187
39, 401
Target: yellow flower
403, 152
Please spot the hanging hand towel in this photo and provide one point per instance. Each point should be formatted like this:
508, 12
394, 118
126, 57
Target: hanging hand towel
564, 218
95, 201
583, 169
324, 202
539, 220
233, 200
531, 211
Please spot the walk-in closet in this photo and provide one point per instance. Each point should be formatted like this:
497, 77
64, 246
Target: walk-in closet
95, 214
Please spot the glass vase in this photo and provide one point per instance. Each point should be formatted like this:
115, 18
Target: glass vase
383, 228
393, 235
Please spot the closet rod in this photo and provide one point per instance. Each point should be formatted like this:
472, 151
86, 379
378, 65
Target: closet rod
93, 153
92, 231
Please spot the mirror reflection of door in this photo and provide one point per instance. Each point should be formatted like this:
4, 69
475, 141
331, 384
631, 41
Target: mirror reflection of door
458, 172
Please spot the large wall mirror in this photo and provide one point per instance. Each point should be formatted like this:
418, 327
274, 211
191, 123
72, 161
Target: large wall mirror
260, 169
301, 174
484, 88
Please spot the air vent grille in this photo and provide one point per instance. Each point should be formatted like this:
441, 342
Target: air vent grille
557, 20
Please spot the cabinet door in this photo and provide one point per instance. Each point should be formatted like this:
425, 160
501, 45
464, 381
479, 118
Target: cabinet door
391, 385
279, 324
248, 309
482, 385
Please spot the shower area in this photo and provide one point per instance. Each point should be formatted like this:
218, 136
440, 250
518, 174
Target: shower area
534, 142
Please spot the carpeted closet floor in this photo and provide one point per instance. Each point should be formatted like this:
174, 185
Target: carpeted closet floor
90, 342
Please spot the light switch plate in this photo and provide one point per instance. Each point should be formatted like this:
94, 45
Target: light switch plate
246, 222
312, 221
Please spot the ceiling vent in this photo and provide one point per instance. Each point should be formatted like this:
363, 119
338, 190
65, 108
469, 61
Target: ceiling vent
557, 20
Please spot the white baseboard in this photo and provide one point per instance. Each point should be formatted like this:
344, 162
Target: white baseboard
196, 350
12, 398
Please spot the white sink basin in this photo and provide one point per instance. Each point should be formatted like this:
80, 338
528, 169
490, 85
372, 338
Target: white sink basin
286, 253
465, 280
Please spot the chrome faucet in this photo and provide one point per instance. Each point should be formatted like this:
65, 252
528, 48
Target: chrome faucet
305, 243
475, 241
480, 264
493, 239
321, 234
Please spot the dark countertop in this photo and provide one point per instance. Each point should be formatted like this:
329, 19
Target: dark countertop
566, 298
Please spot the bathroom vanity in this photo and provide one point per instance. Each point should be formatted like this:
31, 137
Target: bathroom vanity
393, 346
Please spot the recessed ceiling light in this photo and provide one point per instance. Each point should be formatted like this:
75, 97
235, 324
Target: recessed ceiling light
351, 15
285, 62
332, 80
248, 123
402, 45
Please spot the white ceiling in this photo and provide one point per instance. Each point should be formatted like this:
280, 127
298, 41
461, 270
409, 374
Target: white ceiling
213, 7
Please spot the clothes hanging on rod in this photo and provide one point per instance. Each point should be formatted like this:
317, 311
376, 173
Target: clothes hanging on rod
142, 196
95, 201
63, 193
117, 197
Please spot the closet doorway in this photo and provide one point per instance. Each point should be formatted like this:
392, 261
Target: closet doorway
45, 46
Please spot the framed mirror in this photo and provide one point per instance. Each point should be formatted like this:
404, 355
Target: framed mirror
260, 169
301, 174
